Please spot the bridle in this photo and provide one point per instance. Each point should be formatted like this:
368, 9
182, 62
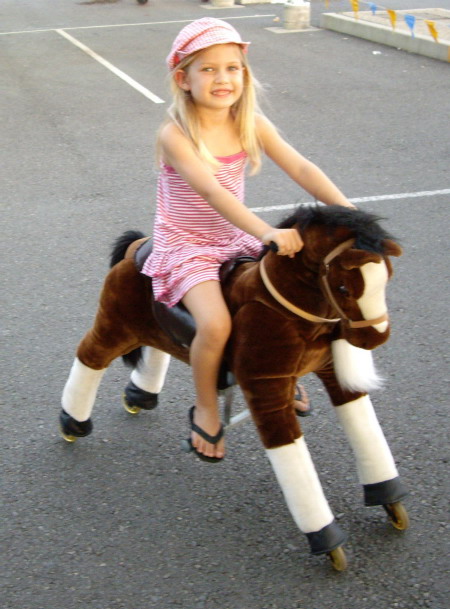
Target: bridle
323, 277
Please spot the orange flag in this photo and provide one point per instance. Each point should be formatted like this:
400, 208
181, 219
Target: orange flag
392, 17
432, 27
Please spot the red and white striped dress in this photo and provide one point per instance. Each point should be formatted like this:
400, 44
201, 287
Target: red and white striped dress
191, 240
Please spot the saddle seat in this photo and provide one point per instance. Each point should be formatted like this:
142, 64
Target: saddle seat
176, 321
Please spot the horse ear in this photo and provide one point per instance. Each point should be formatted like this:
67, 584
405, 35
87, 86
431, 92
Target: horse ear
353, 258
391, 248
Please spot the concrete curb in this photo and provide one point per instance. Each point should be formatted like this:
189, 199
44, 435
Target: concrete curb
384, 34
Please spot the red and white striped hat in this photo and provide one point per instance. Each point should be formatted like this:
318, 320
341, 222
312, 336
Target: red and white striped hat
202, 34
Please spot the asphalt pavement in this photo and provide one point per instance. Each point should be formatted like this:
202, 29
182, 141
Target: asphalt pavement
123, 519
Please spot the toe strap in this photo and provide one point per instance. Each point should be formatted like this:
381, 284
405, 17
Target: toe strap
201, 432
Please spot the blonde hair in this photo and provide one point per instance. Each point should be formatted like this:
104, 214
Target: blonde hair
183, 113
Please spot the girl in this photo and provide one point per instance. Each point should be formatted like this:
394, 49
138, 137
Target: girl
213, 129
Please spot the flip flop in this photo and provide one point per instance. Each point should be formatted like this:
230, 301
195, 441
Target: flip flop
299, 396
188, 446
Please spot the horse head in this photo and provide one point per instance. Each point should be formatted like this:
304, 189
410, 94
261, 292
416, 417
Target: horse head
355, 283
346, 254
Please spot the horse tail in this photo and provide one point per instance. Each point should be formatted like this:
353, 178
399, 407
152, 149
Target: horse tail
121, 244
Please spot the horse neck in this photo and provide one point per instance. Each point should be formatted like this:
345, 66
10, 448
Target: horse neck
293, 276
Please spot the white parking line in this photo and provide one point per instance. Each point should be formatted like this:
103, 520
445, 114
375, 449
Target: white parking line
110, 25
401, 195
130, 81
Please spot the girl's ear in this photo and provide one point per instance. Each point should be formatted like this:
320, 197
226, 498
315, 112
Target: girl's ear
181, 80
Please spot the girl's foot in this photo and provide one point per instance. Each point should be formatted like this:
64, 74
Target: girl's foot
301, 402
207, 434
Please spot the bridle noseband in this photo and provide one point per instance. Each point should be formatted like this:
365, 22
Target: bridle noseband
323, 276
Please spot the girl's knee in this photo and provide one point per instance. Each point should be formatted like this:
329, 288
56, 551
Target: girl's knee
215, 330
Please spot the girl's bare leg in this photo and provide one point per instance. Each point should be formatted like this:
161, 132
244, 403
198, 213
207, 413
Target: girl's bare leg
205, 302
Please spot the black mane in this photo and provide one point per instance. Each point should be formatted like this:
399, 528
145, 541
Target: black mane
363, 225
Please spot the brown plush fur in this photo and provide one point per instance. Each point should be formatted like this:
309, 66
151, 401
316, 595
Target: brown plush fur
270, 347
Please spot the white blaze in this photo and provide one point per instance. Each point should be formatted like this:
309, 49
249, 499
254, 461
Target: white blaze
372, 303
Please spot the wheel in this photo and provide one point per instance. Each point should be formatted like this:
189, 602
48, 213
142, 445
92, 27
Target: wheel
338, 559
397, 514
67, 437
128, 407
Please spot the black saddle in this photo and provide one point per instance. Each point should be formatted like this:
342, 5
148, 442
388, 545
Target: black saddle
176, 321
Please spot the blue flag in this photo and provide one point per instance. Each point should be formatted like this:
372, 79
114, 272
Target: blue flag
410, 22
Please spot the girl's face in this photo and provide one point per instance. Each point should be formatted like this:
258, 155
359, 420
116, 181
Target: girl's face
215, 78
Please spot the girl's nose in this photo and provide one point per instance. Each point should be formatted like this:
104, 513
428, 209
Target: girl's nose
221, 76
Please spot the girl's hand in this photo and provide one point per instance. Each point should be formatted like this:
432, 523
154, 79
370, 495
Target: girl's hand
288, 240
346, 203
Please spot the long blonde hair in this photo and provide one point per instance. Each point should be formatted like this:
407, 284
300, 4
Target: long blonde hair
183, 113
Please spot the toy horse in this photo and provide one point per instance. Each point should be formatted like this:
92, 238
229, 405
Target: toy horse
321, 311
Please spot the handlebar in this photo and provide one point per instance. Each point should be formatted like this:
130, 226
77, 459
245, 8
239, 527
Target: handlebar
273, 246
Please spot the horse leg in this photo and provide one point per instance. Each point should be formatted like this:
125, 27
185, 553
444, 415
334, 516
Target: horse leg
272, 405
146, 380
78, 400
376, 468
304, 496
94, 354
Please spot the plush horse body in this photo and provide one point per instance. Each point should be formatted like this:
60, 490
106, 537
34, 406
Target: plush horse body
321, 311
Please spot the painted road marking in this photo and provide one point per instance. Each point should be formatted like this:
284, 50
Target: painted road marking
401, 195
130, 81
92, 27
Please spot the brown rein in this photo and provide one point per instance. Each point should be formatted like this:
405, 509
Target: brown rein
327, 292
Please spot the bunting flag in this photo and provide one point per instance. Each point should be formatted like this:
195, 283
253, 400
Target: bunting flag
410, 22
432, 28
409, 19
393, 17
355, 6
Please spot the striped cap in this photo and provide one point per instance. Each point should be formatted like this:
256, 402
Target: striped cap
202, 34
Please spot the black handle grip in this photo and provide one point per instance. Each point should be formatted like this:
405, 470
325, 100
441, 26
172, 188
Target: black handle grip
273, 246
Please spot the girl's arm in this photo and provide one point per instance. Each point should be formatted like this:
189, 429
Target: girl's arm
304, 172
178, 152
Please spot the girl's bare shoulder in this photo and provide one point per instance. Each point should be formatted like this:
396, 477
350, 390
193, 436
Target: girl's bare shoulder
169, 132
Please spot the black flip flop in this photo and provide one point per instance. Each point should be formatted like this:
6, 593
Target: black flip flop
205, 436
302, 413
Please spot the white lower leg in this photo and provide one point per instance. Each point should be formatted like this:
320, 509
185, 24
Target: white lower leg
301, 487
373, 456
80, 390
151, 371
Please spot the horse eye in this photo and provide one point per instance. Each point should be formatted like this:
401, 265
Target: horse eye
343, 290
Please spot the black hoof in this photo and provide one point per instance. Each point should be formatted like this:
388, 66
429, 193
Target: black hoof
138, 398
73, 428
327, 539
389, 491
